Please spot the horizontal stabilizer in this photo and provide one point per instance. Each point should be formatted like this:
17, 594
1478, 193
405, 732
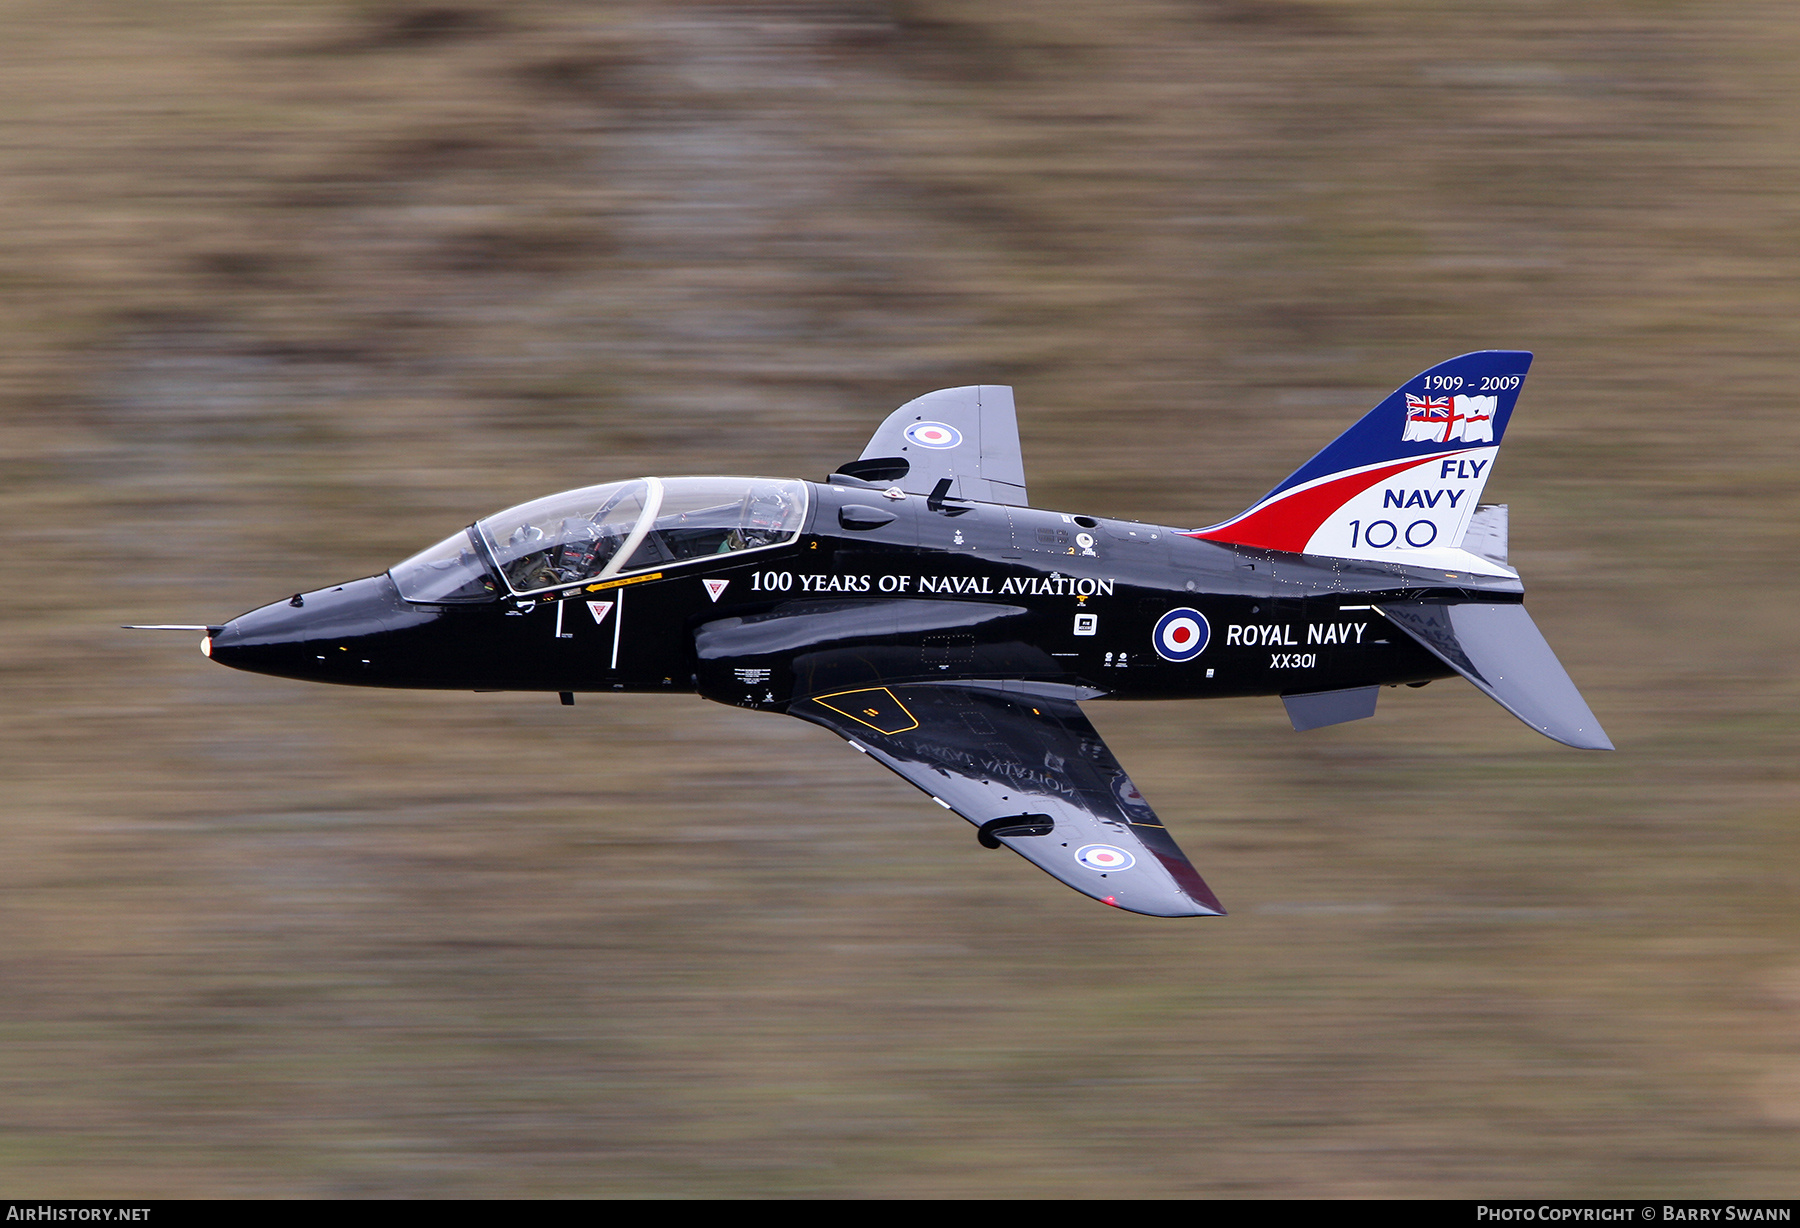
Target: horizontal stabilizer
1499, 649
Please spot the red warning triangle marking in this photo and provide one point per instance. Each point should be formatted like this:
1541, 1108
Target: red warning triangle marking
600, 609
715, 587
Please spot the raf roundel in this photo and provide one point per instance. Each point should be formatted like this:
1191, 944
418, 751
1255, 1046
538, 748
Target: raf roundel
1104, 857
933, 435
1181, 635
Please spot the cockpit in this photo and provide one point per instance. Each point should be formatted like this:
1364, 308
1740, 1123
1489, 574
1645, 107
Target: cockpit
598, 532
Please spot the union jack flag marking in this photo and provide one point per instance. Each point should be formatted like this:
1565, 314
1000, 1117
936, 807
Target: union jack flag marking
1427, 419
1442, 419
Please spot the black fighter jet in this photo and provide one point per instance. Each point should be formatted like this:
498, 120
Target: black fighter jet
918, 607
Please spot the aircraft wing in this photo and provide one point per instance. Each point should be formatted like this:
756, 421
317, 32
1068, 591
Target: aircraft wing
1032, 774
968, 437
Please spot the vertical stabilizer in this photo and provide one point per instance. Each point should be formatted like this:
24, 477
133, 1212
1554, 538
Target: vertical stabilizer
1401, 485
1486, 535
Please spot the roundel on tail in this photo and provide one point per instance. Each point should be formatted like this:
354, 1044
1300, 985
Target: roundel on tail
1181, 635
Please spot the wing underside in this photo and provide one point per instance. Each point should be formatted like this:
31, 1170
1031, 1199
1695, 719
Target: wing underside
1032, 774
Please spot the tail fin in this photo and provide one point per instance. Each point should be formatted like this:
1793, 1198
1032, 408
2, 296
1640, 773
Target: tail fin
1400, 485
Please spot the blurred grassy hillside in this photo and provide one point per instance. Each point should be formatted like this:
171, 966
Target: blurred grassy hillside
294, 288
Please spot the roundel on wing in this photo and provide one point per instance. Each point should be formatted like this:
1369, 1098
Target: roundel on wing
1132, 802
1181, 635
933, 435
1104, 857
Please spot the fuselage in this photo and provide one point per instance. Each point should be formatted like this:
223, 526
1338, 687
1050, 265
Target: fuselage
873, 587
916, 606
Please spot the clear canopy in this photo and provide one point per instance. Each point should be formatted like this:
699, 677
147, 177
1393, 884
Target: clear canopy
601, 531
566, 538
452, 570
701, 517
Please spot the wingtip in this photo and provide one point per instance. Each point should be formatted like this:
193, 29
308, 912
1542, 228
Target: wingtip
1580, 739
1187, 904
1197, 910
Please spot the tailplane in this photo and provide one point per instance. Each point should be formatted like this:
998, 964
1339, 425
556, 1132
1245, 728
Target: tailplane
1498, 648
1402, 484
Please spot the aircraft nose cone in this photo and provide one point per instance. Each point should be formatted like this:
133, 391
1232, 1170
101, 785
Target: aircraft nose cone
329, 635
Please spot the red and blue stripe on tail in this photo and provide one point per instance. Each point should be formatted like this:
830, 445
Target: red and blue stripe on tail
1401, 484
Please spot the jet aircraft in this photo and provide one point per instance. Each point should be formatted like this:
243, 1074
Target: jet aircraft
916, 605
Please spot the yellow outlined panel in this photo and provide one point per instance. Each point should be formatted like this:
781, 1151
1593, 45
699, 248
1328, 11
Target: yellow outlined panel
877, 707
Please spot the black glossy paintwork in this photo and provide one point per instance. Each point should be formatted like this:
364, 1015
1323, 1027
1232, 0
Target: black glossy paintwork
941, 591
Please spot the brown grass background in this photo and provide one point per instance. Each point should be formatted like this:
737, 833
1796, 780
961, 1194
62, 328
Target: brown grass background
294, 288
